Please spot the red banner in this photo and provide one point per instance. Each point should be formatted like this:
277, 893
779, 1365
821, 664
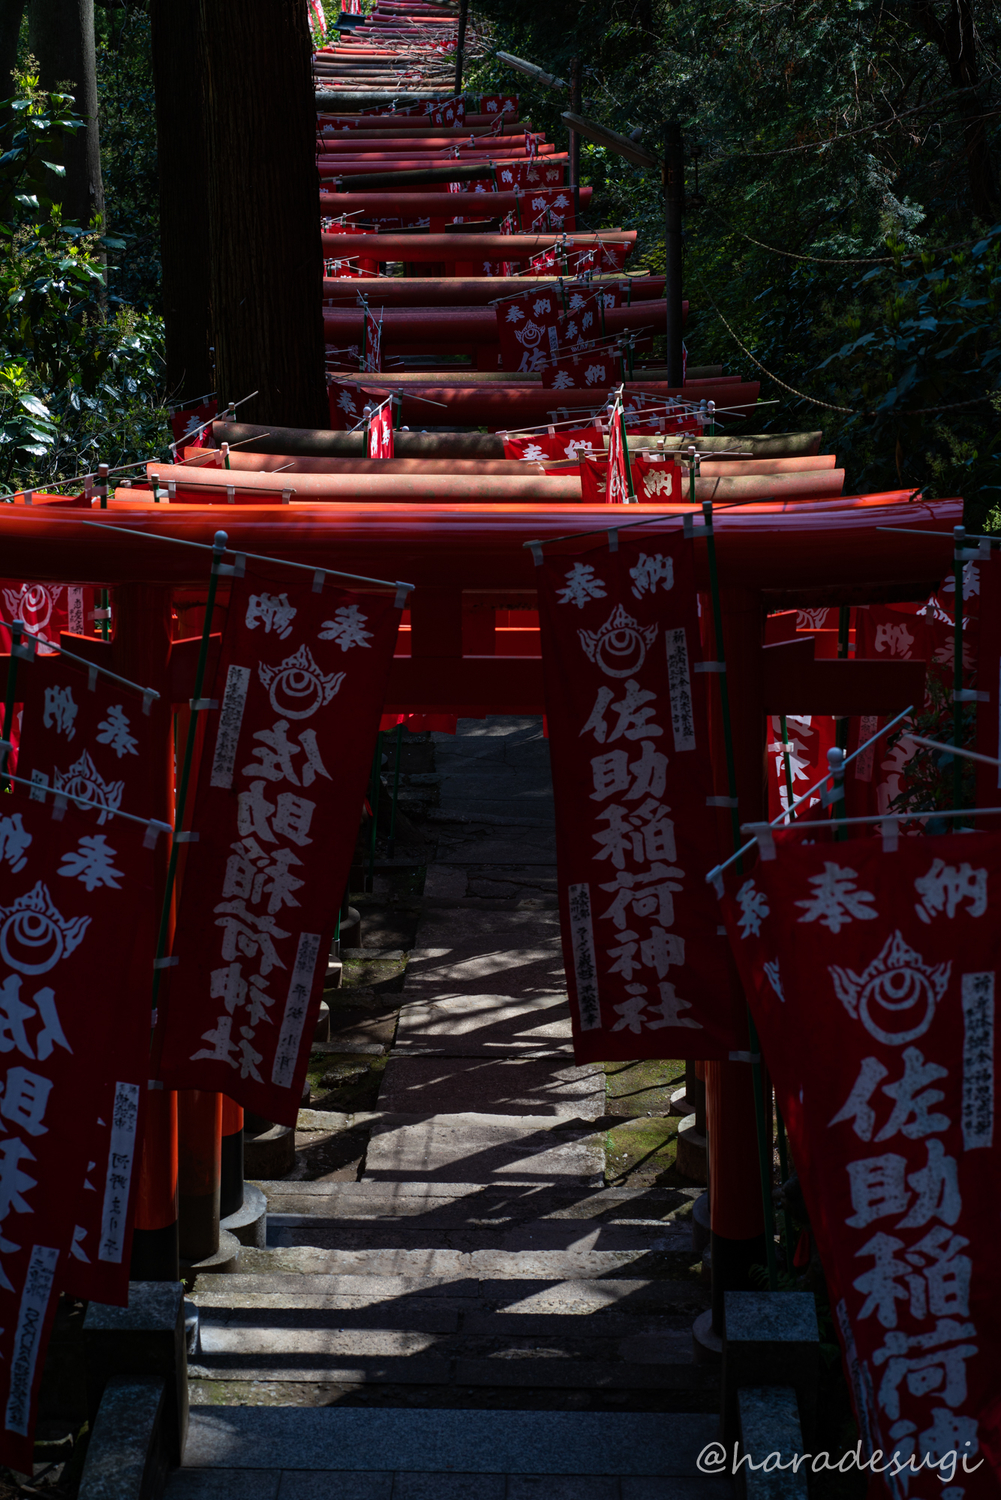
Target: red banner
504, 104
372, 358
45, 609
881, 961
570, 443
347, 403
300, 688
189, 425
448, 111
647, 970
380, 431
530, 174
528, 330
595, 368
583, 322
603, 257
554, 202
86, 736
654, 480
69, 907
618, 481
808, 739
650, 414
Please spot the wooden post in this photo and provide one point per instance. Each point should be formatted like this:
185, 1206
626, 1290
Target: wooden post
461, 44
674, 199
574, 162
184, 219
266, 282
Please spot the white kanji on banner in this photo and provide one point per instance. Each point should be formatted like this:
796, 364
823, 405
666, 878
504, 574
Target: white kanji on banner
646, 966
301, 687
887, 971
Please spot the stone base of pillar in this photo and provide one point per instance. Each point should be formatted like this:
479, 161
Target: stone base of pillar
223, 1262
269, 1154
322, 1031
707, 1347
680, 1104
692, 1159
731, 1264
250, 1223
701, 1226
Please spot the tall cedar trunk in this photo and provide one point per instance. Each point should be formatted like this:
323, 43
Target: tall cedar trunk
955, 37
11, 12
61, 36
266, 279
184, 216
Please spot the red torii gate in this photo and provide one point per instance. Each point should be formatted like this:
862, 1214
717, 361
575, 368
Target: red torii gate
768, 557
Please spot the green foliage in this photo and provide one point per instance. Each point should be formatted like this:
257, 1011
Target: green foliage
128, 154
834, 133
78, 377
927, 776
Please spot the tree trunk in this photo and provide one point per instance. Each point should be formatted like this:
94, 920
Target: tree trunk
184, 218
61, 36
955, 37
11, 12
266, 281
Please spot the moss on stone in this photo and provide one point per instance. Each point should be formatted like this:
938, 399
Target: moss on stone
641, 1152
635, 1088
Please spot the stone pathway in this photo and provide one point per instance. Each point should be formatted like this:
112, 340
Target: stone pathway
448, 1253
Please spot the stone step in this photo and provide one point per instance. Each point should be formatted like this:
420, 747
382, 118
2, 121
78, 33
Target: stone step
498, 1209
408, 1197
343, 1441
276, 1315
487, 1148
529, 1296
537, 1371
333, 1232
253, 1332
546, 1265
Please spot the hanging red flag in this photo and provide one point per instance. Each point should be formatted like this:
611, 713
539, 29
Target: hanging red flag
504, 104
529, 174
618, 483
880, 959
191, 424
70, 902
372, 357
380, 430
568, 443
300, 688
583, 321
87, 736
647, 971
347, 404
527, 328
45, 609
609, 256
597, 369
448, 111
655, 481
808, 739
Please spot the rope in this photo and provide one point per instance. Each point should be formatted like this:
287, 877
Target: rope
870, 260
833, 140
851, 411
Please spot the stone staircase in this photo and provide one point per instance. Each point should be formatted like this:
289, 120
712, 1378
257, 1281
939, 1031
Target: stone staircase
500, 1313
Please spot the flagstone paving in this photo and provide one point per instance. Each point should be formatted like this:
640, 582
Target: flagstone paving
482, 1243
